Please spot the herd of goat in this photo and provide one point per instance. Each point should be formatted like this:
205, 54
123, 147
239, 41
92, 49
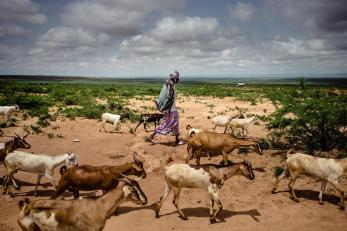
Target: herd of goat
91, 214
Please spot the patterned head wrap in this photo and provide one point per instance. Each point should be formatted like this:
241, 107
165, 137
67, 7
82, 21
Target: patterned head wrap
176, 77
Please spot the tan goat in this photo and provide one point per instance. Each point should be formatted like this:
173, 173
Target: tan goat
326, 169
78, 215
217, 143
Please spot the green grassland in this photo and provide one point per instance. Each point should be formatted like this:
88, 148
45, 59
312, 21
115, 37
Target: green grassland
320, 111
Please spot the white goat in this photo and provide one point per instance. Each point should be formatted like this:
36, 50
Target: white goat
221, 121
327, 169
7, 111
43, 165
111, 118
241, 123
208, 176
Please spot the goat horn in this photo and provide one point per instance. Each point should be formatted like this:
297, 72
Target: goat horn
125, 179
26, 135
17, 135
135, 158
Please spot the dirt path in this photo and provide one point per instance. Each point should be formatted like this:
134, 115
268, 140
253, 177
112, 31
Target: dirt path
247, 205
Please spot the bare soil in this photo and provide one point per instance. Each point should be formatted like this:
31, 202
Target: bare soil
247, 205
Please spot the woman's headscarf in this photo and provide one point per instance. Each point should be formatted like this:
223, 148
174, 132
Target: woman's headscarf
176, 77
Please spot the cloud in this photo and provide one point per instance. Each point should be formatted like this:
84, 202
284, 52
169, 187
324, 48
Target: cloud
241, 11
319, 19
11, 29
21, 11
185, 36
116, 17
70, 38
170, 30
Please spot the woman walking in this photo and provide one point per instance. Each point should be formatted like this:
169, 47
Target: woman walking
166, 103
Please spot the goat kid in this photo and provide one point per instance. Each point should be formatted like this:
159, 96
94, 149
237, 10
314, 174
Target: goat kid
223, 121
7, 111
43, 165
241, 123
145, 118
327, 169
112, 118
208, 176
78, 215
87, 177
217, 143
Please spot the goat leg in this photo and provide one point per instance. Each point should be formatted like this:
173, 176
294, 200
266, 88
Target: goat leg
279, 178
322, 189
338, 188
160, 203
138, 125
76, 193
220, 206
145, 126
291, 188
175, 202
37, 184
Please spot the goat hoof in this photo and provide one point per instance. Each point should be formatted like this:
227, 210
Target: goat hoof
157, 215
11, 195
213, 220
273, 191
321, 202
184, 218
296, 200
17, 187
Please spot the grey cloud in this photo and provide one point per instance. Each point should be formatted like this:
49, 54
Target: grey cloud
116, 17
11, 29
320, 19
241, 11
70, 38
22, 11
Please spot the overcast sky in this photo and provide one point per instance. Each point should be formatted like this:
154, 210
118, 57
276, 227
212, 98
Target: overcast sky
124, 38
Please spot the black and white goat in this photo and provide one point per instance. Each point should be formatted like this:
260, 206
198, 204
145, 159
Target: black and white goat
148, 117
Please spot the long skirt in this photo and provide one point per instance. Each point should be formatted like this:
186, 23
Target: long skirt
170, 124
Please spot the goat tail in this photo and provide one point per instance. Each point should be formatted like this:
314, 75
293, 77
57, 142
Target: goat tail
63, 169
22, 203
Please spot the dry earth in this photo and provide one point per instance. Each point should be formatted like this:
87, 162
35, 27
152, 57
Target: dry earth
247, 205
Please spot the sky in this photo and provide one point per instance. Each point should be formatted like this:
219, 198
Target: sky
152, 38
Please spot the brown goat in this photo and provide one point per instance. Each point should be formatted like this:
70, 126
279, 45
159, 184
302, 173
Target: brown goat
10, 146
78, 215
217, 143
88, 177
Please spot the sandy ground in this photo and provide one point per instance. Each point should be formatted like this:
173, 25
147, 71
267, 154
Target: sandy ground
247, 205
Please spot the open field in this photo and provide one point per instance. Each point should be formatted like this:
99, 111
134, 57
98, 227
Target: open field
56, 113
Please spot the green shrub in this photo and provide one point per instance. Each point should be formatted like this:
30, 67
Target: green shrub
264, 144
278, 170
36, 129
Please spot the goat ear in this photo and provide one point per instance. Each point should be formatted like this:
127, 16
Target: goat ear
126, 190
135, 158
